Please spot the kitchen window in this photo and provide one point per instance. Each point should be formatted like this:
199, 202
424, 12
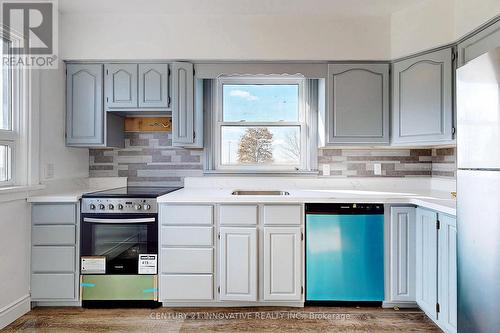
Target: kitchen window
8, 135
260, 124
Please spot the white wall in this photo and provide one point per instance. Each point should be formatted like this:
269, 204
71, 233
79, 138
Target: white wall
241, 37
68, 162
14, 259
469, 14
433, 23
425, 25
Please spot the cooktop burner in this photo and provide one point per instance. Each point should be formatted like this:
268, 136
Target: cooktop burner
132, 192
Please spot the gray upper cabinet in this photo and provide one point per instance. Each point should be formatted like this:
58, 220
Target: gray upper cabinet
84, 111
422, 109
358, 104
153, 86
121, 86
182, 103
479, 43
87, 125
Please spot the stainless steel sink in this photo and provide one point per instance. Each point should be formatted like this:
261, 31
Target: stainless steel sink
239, 192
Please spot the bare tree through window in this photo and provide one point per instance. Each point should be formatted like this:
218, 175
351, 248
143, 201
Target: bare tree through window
256, 146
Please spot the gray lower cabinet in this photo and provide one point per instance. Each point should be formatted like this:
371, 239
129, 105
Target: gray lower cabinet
401, 242
358, 104
422, 108
186, 253
87, 125
436, 267
55, 252
121, 86
479, 43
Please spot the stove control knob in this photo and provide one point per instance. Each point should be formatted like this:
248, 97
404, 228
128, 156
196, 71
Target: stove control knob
120, 206
92, 206
101, 206
111, 207
137, 207
147, 207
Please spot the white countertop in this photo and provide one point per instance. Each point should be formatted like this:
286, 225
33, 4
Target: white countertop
433, 199
73, 192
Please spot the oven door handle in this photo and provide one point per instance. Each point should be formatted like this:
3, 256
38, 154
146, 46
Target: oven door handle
124, 221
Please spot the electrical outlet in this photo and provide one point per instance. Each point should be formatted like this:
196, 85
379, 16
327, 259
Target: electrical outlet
49, 170
377, 169
326, 169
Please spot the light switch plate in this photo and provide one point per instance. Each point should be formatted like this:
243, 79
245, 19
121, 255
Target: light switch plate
326, 169
377, 169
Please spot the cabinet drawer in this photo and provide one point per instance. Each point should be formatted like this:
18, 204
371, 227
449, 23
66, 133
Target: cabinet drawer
53, 259
187, 260
186, 214
238, 214
54, 235
54, 214
283, 214
52, 286
186, 287
186, 236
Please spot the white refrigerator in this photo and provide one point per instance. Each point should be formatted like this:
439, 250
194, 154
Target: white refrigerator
478, 194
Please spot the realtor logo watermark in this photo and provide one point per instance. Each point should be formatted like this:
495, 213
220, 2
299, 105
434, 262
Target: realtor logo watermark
29, 31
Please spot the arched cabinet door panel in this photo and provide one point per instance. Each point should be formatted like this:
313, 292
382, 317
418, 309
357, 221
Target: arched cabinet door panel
358, 104
121, 86
422, 110
153, 86
84, 111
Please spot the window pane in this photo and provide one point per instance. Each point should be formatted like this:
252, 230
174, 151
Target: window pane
5, 163
242, 145
260, 102
5, 114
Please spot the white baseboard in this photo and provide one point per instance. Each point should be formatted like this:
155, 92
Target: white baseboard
403, 305
55, 303
14, 310
226, 304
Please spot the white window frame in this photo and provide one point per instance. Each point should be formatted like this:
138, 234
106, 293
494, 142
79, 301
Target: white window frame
10, 137
301, 123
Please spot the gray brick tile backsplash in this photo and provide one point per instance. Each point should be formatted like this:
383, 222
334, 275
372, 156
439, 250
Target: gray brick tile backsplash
410, 162
149, 159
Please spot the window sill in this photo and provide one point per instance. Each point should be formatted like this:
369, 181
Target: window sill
259, 173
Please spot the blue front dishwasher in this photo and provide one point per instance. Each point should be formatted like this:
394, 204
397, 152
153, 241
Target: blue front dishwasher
345, 252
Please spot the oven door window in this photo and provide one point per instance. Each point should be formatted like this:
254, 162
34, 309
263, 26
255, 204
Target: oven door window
121, 244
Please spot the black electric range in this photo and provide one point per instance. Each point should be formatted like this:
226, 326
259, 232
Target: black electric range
119, 247
129, 199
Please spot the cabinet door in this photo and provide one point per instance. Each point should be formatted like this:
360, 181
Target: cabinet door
447, 275
84, 111
238, 264
182, 103
422, 99
426, 265
121, 86
153, 86
282, 264
402, 254
358, 100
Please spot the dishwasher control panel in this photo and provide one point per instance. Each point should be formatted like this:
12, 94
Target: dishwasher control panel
347, 208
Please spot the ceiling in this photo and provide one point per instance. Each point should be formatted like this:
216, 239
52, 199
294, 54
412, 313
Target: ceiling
238, 7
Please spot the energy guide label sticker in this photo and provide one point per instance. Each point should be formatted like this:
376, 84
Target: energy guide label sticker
148, 263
